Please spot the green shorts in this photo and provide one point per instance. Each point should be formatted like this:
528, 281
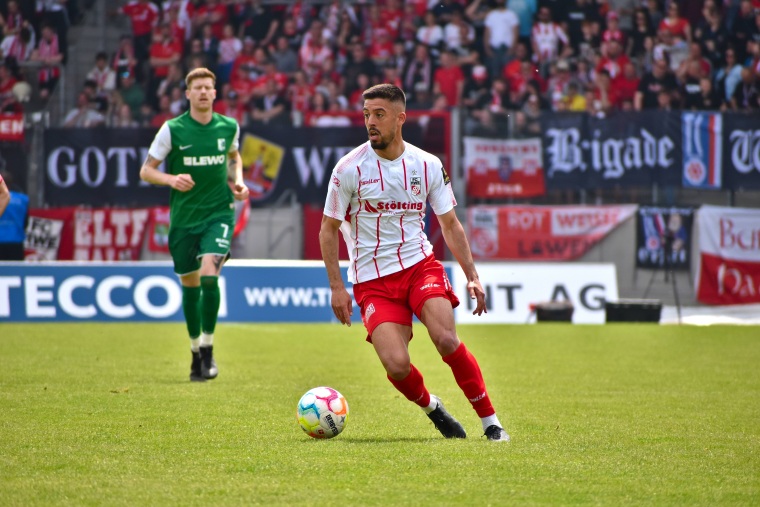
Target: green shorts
188, 244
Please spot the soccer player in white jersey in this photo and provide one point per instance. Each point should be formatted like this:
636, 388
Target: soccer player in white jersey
376, 198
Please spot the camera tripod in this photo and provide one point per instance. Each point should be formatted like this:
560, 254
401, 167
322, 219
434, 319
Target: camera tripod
667, 270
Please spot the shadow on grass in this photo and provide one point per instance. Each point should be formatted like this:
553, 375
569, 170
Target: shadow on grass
376, 440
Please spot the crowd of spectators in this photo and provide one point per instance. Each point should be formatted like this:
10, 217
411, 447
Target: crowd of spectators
309, 61
33, 34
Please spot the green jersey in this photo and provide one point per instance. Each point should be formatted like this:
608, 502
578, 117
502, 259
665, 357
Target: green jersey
189, 147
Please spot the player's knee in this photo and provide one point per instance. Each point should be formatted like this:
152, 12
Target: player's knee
397, 367
446, 342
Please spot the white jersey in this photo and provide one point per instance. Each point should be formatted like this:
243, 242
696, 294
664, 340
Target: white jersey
382, 205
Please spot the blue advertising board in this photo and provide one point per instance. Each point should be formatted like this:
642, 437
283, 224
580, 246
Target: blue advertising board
252, 291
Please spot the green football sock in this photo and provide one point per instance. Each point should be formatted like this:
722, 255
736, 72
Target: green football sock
191, 307
209, 303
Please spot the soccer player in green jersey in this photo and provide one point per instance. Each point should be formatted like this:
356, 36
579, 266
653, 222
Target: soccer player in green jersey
199, 147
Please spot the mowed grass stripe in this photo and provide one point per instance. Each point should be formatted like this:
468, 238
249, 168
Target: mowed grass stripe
103, 414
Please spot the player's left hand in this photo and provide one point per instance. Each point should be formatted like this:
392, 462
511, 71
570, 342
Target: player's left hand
476, 292
240, 191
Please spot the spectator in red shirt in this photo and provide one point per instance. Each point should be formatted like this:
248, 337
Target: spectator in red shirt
512, 70
518, 84
49, 55
449, 79
229, 49
313, 52
231, 105
214, 13
163, 52
242, 84
271, 73
695, 55
300, 92
381, 48
144, 16
391, 17
179, 29
614, 61
627, 85
613, 31
246, 58
679, 27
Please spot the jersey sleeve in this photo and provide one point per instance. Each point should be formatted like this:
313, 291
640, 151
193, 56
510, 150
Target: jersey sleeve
340, 192
162, 144
441, 195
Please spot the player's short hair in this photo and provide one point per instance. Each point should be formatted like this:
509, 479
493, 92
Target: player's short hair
387, 91
199, 73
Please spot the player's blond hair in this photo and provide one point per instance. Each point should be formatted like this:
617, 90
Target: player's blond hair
199, 73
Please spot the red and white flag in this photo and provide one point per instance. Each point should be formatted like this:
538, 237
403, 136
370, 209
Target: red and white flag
729, 255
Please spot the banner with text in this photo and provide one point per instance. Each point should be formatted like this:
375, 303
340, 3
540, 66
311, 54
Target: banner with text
100, 167
540, 233
511, 289
663, 238
251, 291
497, 168
741, 156
729, 255
72, 233
623, 149
12, 127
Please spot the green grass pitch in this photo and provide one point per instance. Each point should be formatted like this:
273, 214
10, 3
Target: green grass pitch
103, 414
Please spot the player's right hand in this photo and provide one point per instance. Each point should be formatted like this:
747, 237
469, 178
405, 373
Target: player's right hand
342, 306
182, 182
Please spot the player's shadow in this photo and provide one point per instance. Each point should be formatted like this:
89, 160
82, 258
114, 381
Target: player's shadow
376, 440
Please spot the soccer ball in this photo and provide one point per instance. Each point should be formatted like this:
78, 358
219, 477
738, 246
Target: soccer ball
322, 412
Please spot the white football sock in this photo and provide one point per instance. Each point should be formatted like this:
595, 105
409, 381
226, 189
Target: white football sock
433, 404
490, 421
195, 344
207, 339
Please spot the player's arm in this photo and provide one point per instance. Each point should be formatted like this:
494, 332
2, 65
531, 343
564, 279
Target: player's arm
453, 234
235, 167
5, 196
328, 242
149, 172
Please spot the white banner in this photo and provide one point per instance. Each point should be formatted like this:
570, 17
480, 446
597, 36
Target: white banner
511, 289
43, 236
730, 233
729, 255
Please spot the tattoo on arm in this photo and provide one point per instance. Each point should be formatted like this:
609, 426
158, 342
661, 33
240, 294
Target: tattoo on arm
218, 261
151, 161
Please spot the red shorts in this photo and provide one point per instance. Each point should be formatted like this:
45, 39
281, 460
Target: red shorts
394, 298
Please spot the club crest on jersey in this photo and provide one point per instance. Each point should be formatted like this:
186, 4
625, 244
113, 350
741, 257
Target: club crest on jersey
221, 144
416, 184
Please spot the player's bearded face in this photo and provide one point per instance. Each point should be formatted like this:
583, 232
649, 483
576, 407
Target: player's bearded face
381, 120
380, 141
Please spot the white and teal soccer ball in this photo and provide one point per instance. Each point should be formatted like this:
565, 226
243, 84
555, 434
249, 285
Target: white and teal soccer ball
322, 412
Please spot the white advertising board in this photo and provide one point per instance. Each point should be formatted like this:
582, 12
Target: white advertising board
511, 289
